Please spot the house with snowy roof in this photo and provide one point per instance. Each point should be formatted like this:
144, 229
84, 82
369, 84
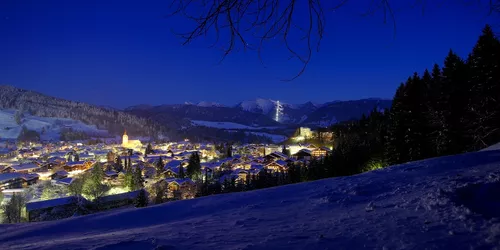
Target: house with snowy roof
64, 181
303, 154
276, 166
53, 209
22, 168
320, 152
17, 180
275, 156
117, 200
61, 174
171, 168
177, 188
78, 165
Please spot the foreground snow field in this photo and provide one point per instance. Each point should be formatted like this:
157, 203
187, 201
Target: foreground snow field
443, 203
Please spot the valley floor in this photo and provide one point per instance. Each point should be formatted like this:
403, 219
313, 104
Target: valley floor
443, 203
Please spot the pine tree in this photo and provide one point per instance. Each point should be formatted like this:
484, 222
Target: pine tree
397, 147
142, 199
93, 186
13, 210
229, 149
285, 151
455, 98
128, 181
436, 112
137, 180
417, 120
193, 170
181, 172
149, 149
159, 168
484, 65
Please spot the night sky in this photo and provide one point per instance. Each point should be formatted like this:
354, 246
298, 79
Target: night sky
121, 53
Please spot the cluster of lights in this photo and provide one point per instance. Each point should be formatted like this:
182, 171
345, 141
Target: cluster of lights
278, 111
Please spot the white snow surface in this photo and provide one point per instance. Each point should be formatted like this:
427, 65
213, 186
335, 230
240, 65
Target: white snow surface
9, 129
226, 125
441, 203
492, 147
265, 106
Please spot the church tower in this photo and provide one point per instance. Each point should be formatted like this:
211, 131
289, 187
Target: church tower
125, 138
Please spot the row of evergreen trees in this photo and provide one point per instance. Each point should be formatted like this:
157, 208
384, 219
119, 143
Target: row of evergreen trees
449, 110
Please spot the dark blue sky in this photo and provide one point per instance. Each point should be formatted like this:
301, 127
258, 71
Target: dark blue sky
122, 53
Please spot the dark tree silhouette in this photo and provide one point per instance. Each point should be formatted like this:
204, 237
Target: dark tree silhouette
300, 25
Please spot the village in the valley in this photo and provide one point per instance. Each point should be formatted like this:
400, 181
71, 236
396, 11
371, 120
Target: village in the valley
62, 179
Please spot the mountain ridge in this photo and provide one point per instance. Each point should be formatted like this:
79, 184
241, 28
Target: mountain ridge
42, 105
308, 113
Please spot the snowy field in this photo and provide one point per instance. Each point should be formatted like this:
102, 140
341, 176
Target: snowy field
227, 125
443, 203
9, 129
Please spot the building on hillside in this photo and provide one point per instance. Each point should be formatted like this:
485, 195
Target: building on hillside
277, 166
118, 200
77, 165
179, 189
132, 144
275, 156
303, 154
53, 209
22, 168
325, 135
303, 133
320, 152
17, 180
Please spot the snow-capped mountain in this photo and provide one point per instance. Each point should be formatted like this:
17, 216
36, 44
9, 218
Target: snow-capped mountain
442, 203
259, 105
289, 113
313, 114
262, 112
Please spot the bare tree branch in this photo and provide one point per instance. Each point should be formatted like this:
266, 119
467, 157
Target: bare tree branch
299, 24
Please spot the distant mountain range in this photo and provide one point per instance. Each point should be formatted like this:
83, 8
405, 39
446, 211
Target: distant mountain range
202, 121
262, 112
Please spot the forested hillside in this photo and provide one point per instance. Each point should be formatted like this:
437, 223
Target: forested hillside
45, 106
445, 111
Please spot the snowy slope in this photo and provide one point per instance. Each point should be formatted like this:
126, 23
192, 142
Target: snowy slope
492, 147
9, 129
226, 125
442, 203
259, 105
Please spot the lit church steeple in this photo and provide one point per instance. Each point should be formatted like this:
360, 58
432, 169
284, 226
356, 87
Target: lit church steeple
125, 138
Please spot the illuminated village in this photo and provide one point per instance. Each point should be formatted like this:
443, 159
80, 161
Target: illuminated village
64, 178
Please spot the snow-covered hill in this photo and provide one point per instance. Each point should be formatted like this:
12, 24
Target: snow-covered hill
313, 114
443, 203
228, 125
259, 105
48, 127
110, 119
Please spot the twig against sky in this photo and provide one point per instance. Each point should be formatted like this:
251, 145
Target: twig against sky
298, 24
